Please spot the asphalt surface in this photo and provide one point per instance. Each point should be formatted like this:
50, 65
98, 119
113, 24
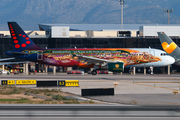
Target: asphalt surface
87, 112
90, 118
94, 77
136, 89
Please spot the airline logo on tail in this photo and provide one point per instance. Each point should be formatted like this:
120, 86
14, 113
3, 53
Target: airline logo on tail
169, 48
21, 41
16, 41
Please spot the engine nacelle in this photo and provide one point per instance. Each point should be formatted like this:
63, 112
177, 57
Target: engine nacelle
116, 67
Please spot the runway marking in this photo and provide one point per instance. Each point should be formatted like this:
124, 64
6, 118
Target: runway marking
157, 82
139, 83
148, 85
168, 78
173, 103
94, 80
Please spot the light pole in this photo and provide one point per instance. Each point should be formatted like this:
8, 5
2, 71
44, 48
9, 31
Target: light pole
168, 11
121, 3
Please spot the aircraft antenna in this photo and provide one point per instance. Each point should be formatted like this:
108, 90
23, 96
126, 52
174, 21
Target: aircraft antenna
168, 11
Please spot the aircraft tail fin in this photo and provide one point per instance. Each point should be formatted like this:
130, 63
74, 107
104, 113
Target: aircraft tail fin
21, 40
168, 45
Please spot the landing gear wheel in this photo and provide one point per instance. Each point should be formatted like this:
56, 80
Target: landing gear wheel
94, 72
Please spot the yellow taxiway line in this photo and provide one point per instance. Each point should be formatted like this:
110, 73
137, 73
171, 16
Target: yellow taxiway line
147, 85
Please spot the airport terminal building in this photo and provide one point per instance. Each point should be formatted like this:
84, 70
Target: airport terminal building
95, 36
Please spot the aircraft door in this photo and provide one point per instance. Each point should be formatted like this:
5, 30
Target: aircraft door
40, 55
152, 54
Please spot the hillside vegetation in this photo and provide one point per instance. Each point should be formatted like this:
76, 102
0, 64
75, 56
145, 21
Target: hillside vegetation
28, 13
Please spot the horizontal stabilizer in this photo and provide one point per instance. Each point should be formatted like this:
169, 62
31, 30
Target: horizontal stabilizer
6, 59
9, 63
17, 53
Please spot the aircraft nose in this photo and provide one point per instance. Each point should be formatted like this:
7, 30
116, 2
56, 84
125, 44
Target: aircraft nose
170, 60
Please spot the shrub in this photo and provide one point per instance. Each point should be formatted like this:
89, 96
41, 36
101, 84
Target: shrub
27, 90
48, 100
15, 91
24, 99
35, 97
59, 97
35, 91
49, 94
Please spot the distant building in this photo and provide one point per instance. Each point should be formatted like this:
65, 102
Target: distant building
86, 30
151, 31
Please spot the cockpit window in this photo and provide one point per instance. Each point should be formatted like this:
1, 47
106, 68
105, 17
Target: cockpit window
163, 54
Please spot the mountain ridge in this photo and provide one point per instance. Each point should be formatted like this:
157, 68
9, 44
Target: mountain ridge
29, 13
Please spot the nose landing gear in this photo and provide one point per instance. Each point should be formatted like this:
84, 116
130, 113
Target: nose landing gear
94, 72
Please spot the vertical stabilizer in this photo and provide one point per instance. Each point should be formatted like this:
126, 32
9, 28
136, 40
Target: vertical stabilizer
168, 45
21, 40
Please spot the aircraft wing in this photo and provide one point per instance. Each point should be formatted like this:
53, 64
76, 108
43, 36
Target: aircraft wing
93, 60
6, 59
7, 63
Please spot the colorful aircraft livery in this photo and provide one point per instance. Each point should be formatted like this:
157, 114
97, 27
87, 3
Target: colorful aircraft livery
69, 57
113, 59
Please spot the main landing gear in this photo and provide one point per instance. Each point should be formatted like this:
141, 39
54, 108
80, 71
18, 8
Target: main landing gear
94, 72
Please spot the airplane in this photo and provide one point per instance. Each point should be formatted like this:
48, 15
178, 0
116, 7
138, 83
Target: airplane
112, 59
170, 47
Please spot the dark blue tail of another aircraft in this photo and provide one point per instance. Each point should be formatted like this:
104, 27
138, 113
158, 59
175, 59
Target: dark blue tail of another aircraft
21, 41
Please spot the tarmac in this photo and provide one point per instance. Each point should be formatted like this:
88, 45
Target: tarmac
139, 89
